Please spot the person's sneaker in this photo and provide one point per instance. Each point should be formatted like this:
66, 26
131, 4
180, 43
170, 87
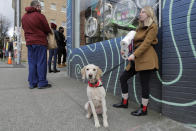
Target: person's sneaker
56, 71
60, 66
46, 86
64, 64
50, 71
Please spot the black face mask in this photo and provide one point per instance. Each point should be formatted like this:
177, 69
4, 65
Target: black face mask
61, 31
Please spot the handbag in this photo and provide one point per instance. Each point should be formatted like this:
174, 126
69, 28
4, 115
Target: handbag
51, 40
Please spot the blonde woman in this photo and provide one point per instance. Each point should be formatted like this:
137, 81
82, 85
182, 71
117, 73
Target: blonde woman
144, 60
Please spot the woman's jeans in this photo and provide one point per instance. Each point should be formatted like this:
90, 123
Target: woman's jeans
52, 52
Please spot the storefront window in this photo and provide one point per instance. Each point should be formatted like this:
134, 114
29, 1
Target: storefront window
106, 19
53, 6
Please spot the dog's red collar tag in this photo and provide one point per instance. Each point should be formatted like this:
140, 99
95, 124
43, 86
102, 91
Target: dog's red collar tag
95, 85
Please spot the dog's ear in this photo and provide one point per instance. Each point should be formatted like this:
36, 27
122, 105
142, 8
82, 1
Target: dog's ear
83, 72
99, 73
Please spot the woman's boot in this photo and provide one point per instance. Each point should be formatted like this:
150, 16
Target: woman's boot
142, 111
124, 102
49, 69
56, 71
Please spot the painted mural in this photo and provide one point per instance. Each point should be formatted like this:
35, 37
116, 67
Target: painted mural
106, 55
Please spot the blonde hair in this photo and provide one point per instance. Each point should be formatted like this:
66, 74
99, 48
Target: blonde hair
151, 17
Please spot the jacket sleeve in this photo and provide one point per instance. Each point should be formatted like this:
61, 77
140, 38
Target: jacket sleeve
57, 37
45, 24
150, 37
66, 42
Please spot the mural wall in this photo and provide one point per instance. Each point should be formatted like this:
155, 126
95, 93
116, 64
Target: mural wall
173, 87
179, 60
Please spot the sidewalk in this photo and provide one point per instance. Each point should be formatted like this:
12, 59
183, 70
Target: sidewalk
61, 108
3, 64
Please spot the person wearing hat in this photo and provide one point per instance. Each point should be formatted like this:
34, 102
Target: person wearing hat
36, 30
53, 52
61, 48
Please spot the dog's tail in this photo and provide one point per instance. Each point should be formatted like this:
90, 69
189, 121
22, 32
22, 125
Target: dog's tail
86, 106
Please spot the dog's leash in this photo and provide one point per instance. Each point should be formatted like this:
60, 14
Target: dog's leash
113, 68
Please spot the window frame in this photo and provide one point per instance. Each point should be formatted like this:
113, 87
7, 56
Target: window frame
64, 7
64, 22
51, 6
53, 21
42, 5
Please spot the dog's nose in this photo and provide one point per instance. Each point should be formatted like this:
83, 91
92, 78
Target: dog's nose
90, 75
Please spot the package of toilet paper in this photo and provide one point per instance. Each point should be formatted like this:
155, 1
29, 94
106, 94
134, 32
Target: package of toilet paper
125, 42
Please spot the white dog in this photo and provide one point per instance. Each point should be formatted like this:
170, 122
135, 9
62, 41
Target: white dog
96, 94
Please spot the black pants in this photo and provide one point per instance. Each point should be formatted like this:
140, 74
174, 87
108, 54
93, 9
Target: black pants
144, 80
61, 52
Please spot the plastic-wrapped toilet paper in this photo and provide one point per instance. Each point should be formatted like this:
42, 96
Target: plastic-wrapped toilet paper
124, 53
127, 40
125, 56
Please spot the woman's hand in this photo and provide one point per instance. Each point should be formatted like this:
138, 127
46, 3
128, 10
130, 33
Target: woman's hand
131, 57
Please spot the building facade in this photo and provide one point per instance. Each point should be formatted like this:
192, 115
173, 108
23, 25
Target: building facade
55, 12
93, 38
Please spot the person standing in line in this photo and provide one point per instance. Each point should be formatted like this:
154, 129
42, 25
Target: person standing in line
36, 29
53, 52
11, 49
6, 48
61, 48
144, 59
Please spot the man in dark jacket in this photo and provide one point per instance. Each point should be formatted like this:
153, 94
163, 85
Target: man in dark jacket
11, 48
36, 29
61, 48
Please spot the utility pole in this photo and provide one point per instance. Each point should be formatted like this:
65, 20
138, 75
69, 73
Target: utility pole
103, 19
18, 32
160, 10
2, 37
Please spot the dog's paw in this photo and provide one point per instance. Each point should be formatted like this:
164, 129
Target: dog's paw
105, 124
97, 125
86, 106
88, 116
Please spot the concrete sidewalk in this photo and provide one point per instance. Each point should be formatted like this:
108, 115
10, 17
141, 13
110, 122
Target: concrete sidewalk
61, 108
3, 64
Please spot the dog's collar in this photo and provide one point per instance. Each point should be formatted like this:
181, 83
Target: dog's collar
96, 84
